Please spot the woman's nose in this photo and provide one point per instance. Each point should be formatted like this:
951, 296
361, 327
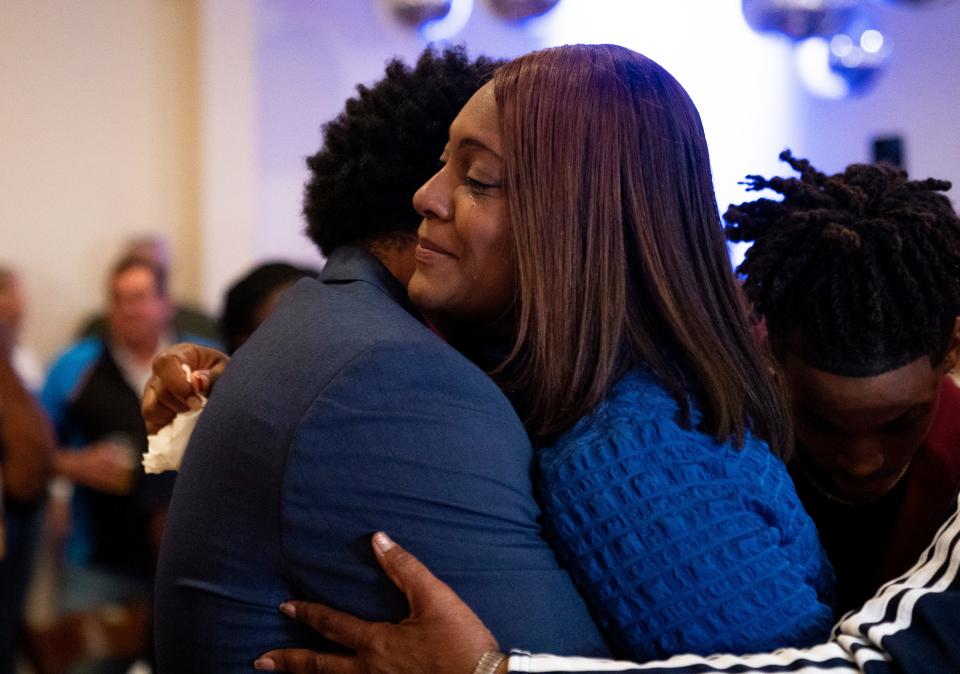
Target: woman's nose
433, 200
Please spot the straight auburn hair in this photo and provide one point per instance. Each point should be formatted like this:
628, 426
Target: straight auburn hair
620, 256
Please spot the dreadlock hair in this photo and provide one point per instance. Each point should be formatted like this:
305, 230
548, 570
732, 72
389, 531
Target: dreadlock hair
857, 273
384, 146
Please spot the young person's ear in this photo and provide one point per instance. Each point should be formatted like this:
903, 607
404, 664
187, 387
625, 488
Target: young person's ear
953, 350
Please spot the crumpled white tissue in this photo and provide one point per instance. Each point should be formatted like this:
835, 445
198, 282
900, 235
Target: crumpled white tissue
166, 447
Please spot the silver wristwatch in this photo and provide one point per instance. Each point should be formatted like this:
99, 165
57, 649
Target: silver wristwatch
489, 661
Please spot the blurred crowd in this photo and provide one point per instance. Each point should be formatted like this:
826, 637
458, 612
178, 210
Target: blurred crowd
663, 461
80, 523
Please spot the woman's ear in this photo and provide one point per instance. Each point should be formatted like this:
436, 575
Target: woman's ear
953, 350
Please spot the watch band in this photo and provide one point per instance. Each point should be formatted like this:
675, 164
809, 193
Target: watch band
489, 661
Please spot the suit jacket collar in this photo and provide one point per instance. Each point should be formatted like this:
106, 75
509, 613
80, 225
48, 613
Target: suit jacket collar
350, 264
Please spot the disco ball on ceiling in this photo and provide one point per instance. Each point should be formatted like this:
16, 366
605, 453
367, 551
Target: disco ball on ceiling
416, 13
845, 64
519, 10
798, 19
858, 54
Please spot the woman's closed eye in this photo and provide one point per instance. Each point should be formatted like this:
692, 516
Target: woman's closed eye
478, 186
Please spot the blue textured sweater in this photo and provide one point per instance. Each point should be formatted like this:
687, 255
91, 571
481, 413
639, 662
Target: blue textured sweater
679, 543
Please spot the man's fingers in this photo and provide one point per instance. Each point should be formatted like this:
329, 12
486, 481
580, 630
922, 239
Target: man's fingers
338, 627
414, 579
302, 661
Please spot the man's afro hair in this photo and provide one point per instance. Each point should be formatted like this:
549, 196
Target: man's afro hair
384, 146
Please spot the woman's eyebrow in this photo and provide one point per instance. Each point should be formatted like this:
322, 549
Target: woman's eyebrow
480, 145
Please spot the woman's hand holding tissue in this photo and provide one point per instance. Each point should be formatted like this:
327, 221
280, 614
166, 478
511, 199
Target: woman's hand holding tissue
169, 392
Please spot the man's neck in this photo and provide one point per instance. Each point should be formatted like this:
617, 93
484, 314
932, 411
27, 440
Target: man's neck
142, 352
397, 255
134, 360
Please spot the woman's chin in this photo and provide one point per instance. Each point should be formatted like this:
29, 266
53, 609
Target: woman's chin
419, 291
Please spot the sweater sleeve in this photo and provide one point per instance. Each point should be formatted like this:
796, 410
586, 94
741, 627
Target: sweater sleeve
909, 626
681, 544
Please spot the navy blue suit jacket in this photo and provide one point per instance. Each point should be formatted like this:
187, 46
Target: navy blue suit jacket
343, 415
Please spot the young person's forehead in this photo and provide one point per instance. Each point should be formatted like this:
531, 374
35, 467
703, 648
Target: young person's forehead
891, 391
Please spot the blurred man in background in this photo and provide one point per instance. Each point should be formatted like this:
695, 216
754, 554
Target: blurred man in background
93, 396
185, 319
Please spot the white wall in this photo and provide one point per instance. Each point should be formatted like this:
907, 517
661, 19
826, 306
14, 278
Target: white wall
98, 142
708, 47
228, 93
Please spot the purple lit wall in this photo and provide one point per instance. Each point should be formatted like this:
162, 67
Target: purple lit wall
310, 55
918, 98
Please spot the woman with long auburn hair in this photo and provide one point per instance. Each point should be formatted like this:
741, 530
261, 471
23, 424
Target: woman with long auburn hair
620, 256
571, 243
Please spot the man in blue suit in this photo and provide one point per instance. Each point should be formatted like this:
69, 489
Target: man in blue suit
344, 414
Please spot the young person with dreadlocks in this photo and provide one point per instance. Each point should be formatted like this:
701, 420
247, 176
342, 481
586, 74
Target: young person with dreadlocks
857, 278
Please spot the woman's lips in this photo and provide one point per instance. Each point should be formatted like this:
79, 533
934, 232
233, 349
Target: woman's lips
428, 250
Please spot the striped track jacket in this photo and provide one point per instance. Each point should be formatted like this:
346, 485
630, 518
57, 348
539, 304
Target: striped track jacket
910, 626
